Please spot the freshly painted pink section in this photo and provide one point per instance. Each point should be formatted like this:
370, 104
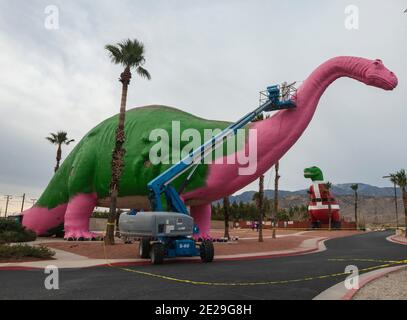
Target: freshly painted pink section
202, 218
41, 220
276, 135
77, 216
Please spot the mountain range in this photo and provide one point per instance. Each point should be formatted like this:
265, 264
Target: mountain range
342, 189
375, 206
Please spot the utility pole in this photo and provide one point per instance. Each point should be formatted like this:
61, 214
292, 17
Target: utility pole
22, 203
8, 198
33, 201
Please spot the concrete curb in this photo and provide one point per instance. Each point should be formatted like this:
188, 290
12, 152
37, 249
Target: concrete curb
339, 291
392, 239
67, 260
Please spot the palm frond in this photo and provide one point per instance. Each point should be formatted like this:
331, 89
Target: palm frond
51, 139
68, 142
61, 137
129, 53
401, 178
143, 73
115, 54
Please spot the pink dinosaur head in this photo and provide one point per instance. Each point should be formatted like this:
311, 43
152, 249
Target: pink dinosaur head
379, 76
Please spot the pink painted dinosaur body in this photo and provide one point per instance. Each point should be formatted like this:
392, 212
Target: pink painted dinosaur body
275, 137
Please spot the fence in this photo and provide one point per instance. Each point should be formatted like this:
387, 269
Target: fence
11, 205
294, 225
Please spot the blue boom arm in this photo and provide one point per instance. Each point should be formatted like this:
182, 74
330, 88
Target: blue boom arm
162, 183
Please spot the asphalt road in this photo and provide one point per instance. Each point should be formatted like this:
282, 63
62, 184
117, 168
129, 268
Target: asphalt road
279, 278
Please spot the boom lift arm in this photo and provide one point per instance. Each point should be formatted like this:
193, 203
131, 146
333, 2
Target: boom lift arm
274, 100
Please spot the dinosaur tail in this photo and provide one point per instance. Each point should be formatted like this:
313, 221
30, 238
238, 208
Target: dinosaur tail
50, 208
40, 220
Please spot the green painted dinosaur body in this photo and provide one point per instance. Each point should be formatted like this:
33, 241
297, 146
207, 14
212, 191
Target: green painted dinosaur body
87, 168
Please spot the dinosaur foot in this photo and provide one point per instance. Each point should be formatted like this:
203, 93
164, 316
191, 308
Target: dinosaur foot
78, 235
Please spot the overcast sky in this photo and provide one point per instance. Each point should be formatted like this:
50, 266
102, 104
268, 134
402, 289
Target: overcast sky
209, 58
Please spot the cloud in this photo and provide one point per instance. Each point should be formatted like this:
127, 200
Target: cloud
207, 58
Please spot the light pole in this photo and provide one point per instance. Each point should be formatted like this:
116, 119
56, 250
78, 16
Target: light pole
395, 199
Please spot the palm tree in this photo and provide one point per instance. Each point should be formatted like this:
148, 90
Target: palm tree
59, 138
401, 180
276, 178
226, 211
129, 54
393, 179
355, 187
258, 197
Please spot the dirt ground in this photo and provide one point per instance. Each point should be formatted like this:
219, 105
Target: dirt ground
247, 243
392, 286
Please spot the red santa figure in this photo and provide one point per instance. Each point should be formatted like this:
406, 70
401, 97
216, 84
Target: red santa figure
322, 204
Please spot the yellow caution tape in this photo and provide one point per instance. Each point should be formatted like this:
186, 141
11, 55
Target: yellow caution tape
386, 263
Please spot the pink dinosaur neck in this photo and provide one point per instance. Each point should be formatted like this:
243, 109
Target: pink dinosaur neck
292, 123
319, 80
276, 135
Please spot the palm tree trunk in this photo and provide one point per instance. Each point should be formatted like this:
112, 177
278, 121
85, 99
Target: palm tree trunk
117, 158
226, 205
404, 195
261, 197
59, 156
276, 178
356, 210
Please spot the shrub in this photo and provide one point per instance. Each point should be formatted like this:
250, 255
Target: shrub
100, 215
13, 236
12, 231
10, 225
23, 250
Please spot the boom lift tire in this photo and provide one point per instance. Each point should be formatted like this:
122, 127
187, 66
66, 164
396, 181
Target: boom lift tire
157, 253
207, 251
144, 248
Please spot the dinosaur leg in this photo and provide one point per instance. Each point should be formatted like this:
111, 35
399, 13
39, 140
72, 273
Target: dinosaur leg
40, 220
77, 216
202, 218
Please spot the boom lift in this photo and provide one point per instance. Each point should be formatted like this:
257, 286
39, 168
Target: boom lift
169, 234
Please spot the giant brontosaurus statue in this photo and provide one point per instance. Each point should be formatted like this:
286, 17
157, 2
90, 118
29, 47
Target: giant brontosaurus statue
82, 182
